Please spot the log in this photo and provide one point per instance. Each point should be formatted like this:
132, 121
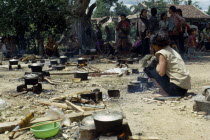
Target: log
60, 105
78, 108
65, 96
9, 126
143, 138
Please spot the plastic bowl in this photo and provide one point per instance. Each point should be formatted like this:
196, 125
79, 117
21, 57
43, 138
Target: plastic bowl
45, 130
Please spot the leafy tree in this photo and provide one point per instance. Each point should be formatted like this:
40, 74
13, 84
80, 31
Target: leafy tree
208, 12
190, 2
121, 8
177, 2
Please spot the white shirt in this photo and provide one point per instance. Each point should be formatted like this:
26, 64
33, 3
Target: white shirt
3, 48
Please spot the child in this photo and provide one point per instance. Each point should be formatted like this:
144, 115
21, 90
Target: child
174, 46
170, 74
192, 43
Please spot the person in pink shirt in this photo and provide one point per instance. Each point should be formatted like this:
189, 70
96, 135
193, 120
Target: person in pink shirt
192, 43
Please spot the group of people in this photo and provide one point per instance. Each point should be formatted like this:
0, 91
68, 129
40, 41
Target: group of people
184, 38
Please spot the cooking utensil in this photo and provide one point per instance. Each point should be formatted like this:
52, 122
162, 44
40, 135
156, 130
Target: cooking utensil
63, 59
31, 79
82, 61
13, 62
114, 93
53, 62
108, 122
36, 67
82, 75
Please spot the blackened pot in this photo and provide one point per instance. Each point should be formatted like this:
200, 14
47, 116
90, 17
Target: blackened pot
36, 67
114, 93
13, 62
108, 122
31, 79
63, 60
135, 71
132, 88
59, 67
53, 62
82, 61
82, 75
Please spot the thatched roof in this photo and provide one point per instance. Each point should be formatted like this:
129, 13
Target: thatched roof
191, 12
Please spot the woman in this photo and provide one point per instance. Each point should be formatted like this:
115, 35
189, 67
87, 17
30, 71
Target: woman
163, 24
108, 34
171, 68
143, 27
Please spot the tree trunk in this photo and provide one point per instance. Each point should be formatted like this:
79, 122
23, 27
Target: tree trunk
80, 25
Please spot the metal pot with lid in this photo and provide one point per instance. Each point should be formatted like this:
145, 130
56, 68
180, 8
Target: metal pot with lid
59, 67
31, 79
82, 75
82, 61
108, 122
36, 67
53, 62
63, 59
13, 62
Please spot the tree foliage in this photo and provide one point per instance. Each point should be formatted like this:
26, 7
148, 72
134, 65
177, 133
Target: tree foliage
120, 8
208, 12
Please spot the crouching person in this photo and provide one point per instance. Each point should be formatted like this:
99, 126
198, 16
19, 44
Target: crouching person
170, 73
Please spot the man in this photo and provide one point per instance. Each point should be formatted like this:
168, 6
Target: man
51, 48
123, 29
153, 21
74, 45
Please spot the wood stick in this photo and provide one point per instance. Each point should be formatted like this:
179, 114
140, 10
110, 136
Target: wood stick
38, 125
78, 108
143, 138
49, 81
60, 105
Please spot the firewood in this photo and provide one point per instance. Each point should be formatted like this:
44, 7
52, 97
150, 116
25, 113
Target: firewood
78, 108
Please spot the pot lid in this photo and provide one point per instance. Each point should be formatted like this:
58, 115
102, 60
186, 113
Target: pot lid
31, 76
37, 65
82, 59
60, 66
13, 60
53, 61
107, 116
80, 72
93, 50
88, 121
63, 56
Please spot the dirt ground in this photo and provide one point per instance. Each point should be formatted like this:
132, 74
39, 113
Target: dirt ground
166, 120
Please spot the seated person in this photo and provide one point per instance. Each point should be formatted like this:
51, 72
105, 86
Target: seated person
4, 47
73, 45
170, 73
51, 48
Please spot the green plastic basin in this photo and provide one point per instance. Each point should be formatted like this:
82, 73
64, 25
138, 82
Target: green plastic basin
46, 130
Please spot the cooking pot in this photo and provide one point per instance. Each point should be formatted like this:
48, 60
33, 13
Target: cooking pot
114, 93
63, 60
53, 62
121, 61
142, 79
59, 67
136, 60
88, 121
82, 75
108, 122
31, 79
129, 61
132, 88
95, 96
135, 71
82, 61
13, 62
36, 67
42, 61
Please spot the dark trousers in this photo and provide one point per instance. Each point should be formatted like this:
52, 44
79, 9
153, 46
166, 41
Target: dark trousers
164, 84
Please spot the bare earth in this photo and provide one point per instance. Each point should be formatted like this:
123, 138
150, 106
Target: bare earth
168, 120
